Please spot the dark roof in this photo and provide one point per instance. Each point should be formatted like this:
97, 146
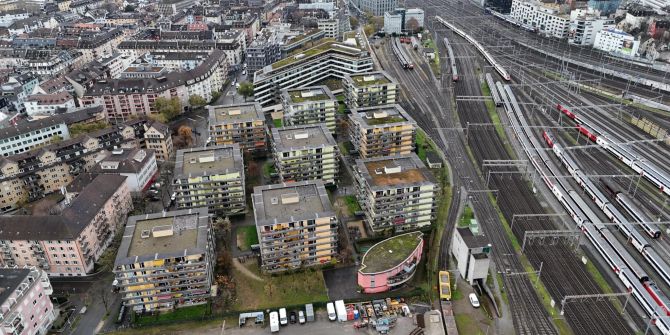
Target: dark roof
72, 220
472, 240
67, 118
80, 182
127, 162
10, 280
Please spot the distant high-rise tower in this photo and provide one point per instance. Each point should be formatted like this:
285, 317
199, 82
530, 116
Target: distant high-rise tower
376, 7
605, 7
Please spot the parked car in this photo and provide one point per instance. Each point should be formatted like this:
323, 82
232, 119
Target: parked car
282, 317
244, 72
301, 317
330, 307
473, 300
292, 317
173, 197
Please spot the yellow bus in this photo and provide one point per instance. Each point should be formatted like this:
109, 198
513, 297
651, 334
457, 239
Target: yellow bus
445, 285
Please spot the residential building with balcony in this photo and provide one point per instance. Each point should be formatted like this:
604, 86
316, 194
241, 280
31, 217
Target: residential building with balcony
48, 104
328, 59
70, 243
309, 105
382, 131
584, 25
390, 263
305, 153
157, 137
211, 177
370, 89
396, 192
239, 123
549, 19
139, 165
296, 225
166, 260
25, 304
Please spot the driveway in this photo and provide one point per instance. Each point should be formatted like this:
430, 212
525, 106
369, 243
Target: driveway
342, 283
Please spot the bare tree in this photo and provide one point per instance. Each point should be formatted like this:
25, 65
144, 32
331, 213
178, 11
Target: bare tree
412, 25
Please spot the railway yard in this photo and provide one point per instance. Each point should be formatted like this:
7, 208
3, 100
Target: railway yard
556, 163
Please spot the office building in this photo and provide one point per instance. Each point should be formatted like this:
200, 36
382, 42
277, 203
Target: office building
396, 192
296, 225
376, 7
547, 18
309, 105
617, 42
382, 131
211, 177
239, 123
305, 153
25, 304
370, 89
166, 261
471, 252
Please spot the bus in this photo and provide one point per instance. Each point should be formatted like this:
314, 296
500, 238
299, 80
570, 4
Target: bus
445, 285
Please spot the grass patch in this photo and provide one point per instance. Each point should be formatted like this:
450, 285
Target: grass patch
278, 123
345, 147
466, 217
269, 169
467, 325
352, 203
287, 289
420, 142
444, 203
179, 314
174, 328
246, 237
435, 63
503, 292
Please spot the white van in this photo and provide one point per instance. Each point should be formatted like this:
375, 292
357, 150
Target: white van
274, 322
331, 311
282, 317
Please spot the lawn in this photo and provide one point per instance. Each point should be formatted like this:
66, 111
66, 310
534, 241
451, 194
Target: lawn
269, 169
466, 217
352, 203
390, 252
185, 313
421, 145
345, 147
246, 237
289, 289
467, 325
435, 63
278, 123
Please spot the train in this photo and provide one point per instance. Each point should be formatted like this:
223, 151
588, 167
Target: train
497, 66
632, 209
399, 52
444, 285
495, 95
649, 171
632, 277
452, 60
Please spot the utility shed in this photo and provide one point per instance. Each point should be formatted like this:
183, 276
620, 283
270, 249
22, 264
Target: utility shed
472, 254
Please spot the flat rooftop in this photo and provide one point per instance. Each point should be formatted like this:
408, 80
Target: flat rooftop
211, 160
389, 253
223, 114
302, 137
394, 171
288, 202
381, 115
370, 78
164, 235
307, 94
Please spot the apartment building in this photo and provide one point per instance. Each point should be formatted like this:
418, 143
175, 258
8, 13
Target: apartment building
382, 131
328, 59
29, 176
28, 135
263, 51
616, 41
233, 49
48, 104
211, 177
296, 225
309, 105
70, 243
548, 18
370, 89
166, 260
584, 25
124, 98
158, 137
305, 153
139, 165
239, 123
25, 304
396, 192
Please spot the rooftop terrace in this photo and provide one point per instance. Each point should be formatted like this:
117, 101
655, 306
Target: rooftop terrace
371, 78
308, 94
389, 253
381, 115
291, 202
210, 160
324, 45
235, 113
395, 170
301, 137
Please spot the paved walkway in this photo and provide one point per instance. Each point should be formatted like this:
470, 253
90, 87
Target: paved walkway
245, 271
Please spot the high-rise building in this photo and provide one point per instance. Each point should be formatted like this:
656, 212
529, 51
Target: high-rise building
309, 105
376, 7
382, 131
370, 89
239, 123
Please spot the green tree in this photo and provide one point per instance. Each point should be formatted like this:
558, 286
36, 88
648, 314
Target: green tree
168, 108
353, 21
196, 100
215, 96
129, 8
246, 89
369, 29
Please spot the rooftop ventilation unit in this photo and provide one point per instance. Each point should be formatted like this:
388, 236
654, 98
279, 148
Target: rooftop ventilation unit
145, 234
290, 198
117, 152
301, 136
162, 231
207, 158
234, 112
379, 115
274, 201
394, 169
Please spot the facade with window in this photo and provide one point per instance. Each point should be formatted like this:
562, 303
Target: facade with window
382, 131
370, 89
390, 263
309, 105
25, 304
243, 124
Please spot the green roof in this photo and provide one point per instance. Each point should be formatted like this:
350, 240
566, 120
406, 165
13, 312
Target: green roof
388, 253
379, 80
324, 46
297, 95
385, 120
